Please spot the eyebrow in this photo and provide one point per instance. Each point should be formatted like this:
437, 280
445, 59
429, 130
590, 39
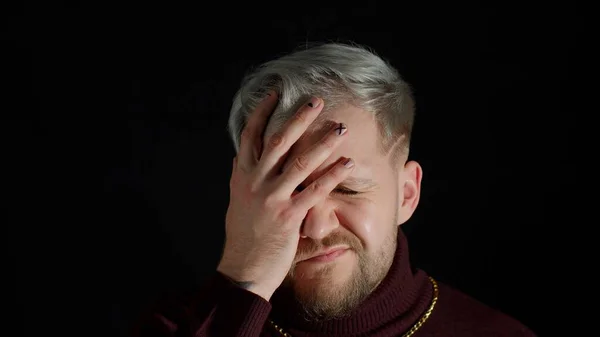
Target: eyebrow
360, 182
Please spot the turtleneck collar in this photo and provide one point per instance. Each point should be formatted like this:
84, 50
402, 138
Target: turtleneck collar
397, 303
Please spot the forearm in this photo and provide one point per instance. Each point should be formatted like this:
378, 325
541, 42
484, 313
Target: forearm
220, 309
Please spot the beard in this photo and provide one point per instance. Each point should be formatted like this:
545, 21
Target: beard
327, 295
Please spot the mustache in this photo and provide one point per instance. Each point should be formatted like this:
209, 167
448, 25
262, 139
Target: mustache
311, 247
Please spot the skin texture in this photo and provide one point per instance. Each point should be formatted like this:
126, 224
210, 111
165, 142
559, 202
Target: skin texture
358, 208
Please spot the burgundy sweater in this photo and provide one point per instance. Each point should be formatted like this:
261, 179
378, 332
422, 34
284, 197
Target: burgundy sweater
223, 309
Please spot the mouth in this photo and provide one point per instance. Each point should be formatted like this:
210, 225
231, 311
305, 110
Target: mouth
328, 256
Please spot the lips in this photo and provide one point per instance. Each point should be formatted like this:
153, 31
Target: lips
329, 254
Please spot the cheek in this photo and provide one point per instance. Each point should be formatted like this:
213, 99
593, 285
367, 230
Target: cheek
365, 221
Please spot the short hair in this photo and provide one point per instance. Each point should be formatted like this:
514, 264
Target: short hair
338, 73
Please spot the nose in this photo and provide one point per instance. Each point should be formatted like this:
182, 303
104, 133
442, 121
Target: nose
320, 221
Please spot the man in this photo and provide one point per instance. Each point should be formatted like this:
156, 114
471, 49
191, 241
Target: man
319, 188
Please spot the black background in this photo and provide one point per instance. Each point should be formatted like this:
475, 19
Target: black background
120, 157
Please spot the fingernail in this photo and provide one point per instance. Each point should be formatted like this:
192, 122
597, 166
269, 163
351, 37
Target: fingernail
314, 102
340, 129
349, 163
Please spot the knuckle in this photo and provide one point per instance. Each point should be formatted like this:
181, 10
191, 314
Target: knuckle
318, 187
246, 135
300, 116
242, 169
288, 215
253, 187
237, 177
300, 163
270, 201
276, 140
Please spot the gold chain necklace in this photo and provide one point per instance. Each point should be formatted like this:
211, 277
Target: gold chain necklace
410, 332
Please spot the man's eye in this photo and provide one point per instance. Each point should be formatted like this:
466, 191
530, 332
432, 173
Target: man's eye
345, 191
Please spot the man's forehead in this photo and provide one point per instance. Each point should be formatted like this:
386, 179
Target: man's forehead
317, 131
359, 144
320, 127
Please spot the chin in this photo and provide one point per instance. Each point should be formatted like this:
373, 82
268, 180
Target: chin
328, 292
335, 288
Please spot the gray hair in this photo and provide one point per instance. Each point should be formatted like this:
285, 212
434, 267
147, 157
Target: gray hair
338, 73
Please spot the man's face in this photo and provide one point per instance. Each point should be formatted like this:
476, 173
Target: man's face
363, 214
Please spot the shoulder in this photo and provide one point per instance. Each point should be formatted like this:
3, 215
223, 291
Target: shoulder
457, 314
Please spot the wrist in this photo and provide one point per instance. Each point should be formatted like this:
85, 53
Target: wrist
247, 284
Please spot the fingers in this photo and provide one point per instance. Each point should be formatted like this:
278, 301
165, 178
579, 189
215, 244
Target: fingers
301, 167
322, 187
280, 143
250, 141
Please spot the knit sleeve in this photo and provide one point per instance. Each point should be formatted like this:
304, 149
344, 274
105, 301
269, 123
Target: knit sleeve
219, 309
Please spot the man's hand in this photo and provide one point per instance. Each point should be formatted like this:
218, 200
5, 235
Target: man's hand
265, 214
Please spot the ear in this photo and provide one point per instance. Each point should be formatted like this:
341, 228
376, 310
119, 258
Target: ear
409, 190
